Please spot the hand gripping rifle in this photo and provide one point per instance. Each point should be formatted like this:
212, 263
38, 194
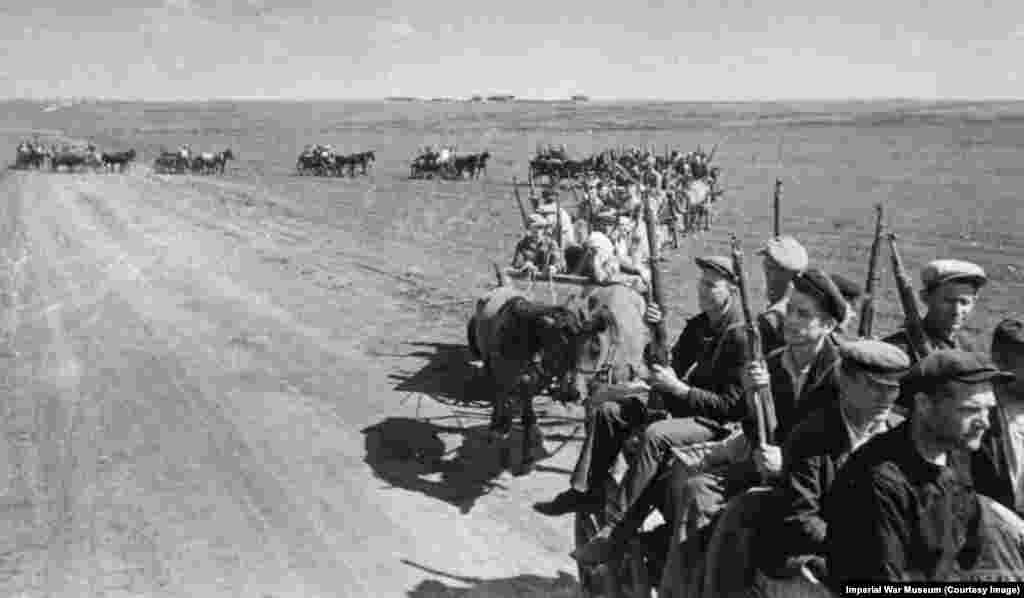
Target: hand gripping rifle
919, 345
867, 308
759, 401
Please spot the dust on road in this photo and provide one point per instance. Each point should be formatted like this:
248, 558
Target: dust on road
205, 396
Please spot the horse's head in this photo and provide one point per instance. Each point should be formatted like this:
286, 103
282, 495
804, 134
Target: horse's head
372, 155
485, 156
131, 154
228, 154
545, 335
609, 348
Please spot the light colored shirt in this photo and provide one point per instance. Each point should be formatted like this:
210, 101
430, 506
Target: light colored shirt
797, 375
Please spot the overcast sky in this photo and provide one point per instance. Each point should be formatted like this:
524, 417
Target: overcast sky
661, 49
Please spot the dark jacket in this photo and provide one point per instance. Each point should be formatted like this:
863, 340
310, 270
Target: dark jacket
815, 450
902, 340
892, 516
719, 353
820, 388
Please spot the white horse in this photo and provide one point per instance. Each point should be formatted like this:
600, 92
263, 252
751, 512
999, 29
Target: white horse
694, 201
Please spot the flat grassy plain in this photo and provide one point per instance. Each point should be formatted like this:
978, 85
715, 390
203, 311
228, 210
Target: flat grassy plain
255, 384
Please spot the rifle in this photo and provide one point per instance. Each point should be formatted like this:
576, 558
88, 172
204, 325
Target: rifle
759, 401
919, 345
657, 352
867, 308
777, 206
558, 221
519, 200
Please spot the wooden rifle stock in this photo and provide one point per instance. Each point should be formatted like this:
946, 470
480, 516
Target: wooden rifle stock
919, 346
659, 346
759, 401
867, 308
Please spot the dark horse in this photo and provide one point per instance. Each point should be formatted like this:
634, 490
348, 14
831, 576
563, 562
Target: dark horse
363, 160
474, 164
119, 160
525, 347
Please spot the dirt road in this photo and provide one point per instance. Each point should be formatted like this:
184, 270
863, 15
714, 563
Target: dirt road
208, 395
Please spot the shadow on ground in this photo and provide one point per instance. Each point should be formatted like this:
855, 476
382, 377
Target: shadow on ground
412, 454
520, 586
448, 376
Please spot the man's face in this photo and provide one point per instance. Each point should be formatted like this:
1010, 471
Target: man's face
870, 400
950, 304
776, 278
805, 321
713, 291
957, 417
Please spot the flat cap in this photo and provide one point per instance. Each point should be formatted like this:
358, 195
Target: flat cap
943, 271
883, 362
850, 290
818, 285
718, 264
949, 365
787, 252
1008, 337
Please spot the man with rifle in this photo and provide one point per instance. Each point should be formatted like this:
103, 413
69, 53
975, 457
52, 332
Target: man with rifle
950, 293
784, 258
801, 376
702, 390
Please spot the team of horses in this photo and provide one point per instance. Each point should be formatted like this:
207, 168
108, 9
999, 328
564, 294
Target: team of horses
34, 156
321, 163
431, 164
182, 162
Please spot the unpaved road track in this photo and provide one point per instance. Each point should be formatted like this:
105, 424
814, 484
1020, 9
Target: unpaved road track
204, 396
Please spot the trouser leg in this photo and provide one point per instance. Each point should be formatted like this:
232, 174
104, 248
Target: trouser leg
607, 430
652, 460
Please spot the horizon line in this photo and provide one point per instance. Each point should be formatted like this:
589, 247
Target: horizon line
515, 99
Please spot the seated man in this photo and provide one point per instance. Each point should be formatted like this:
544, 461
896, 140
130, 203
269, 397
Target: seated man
998, 468
783, 258
704, 381
537, 251
901, 508
950, 293
547, 208
869, 375
615, 255
802, 376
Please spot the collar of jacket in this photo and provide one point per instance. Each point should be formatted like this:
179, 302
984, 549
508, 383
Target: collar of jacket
823, 365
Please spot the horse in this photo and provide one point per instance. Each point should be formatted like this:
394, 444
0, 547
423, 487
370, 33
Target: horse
524, 346
120, 160
363, 160
220, 160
